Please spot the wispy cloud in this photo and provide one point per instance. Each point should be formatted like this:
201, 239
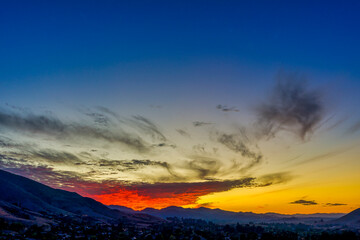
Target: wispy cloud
225, 108
291, 107
184, 133
133, 165
99, 118
53, 127
147, 127
200, 123
204, 167
236, 143
55, 156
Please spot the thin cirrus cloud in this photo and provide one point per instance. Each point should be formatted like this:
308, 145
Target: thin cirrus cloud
237, 144
148, 127
353, 128
53, 127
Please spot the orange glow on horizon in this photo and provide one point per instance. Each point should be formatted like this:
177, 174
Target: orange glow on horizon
133, 200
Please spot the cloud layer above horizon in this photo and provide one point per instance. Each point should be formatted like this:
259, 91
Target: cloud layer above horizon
135, 162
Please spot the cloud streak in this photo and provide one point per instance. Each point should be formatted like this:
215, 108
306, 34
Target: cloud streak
147, 127
225, 108
53, 127
235, 143
354, 128
304, 202
183, 133
335, 204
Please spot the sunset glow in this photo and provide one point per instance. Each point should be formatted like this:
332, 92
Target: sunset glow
215, 105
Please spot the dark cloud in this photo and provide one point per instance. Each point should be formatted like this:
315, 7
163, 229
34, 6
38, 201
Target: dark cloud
160, 195
134, 164
236, 143
183, 133
168, 189
9, 160
291, 107
147, 127
200, 124
7, 142
54, 156
99, 118
304, 202
30, 154
335, 204
53, 127
225, 108
164, 145
31, 123
204, 167
132, 194
33, 155
108, 111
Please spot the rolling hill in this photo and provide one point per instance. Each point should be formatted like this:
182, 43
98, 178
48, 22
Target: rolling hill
23, 198
352, 218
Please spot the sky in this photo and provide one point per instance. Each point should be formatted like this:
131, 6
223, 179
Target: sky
237, 105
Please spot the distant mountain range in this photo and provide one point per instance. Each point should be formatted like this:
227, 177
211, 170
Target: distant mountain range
23, 199
228, 217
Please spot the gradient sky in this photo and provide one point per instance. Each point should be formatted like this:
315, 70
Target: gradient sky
240, 106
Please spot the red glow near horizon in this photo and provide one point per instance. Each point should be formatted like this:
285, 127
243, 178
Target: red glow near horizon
157, 195
135, 201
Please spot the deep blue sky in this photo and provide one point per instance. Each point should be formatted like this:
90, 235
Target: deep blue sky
53, 36
57, 47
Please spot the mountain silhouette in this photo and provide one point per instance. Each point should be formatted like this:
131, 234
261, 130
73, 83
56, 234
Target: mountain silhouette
26, 199
228, 217
352, 218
